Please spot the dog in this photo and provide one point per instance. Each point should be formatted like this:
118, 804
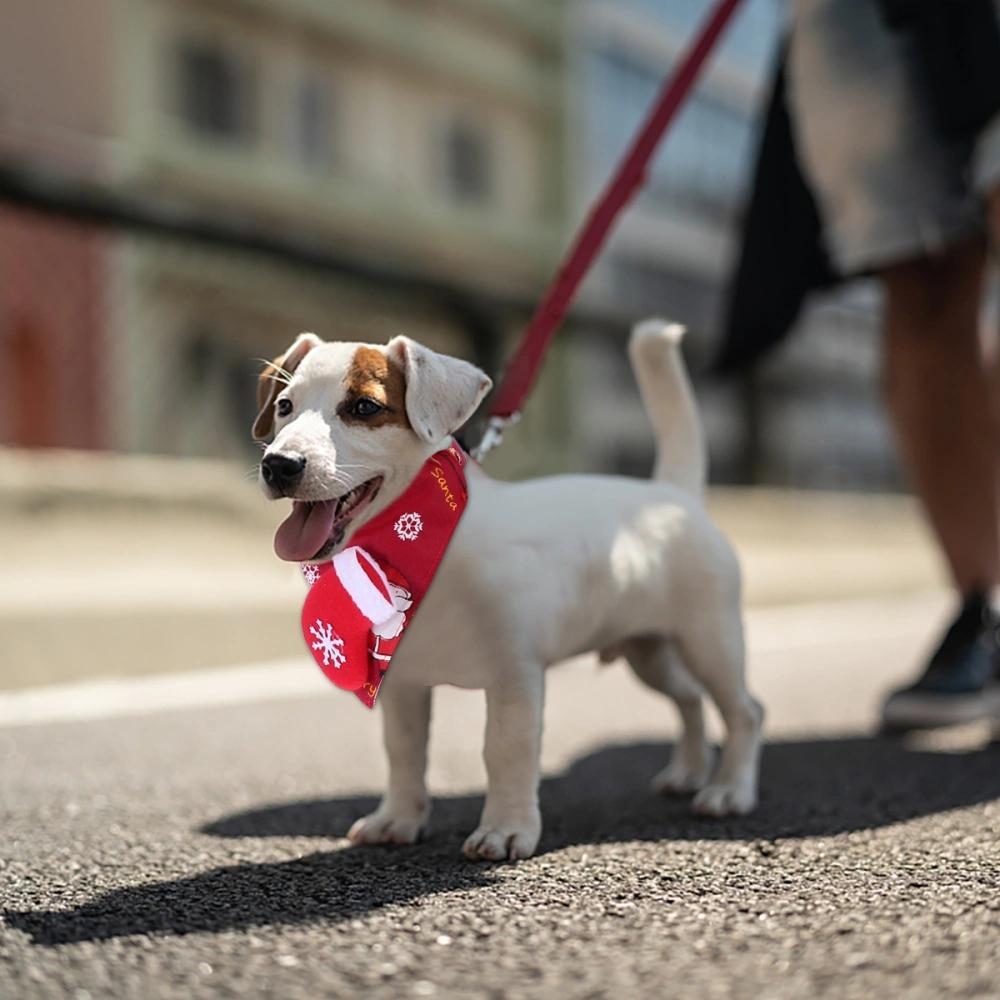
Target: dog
535, 573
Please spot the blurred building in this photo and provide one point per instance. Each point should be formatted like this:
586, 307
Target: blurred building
423, 139
815, 405
55, 106
811, 416
406, 166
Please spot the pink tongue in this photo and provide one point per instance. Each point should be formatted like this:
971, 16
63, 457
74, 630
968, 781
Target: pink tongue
305, 531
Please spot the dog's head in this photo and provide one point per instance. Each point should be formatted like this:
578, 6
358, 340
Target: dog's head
352, 425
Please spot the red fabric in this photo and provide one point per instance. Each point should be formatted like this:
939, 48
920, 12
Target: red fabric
406, 543
629, 177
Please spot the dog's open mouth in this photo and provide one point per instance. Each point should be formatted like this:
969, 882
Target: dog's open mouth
315, 528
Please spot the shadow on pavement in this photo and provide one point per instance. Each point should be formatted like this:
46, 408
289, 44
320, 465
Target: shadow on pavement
321, 887
808, 788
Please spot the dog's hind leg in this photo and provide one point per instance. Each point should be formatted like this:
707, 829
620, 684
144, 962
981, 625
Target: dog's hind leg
658, 665
405, 807
713, 651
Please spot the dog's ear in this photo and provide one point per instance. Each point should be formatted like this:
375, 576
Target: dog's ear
441, 392
274, 376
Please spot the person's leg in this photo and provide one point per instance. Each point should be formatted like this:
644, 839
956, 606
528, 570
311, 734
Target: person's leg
939, 396
993, 205
993, 335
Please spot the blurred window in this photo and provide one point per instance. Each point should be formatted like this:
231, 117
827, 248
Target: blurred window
213, 375
750, 40
701, 166
704, 161
216, 91
468, 175
314, 123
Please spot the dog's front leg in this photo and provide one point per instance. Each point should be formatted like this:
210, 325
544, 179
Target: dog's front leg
511, 822
405, 807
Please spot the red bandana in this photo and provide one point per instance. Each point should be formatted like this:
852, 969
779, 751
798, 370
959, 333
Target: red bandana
360, 602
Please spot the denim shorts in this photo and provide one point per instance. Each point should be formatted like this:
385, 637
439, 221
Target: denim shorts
887, 186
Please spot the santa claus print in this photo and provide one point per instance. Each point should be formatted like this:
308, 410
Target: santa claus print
385, 635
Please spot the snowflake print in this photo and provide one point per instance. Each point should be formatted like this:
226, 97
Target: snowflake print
330, 644
409, 526
311, 573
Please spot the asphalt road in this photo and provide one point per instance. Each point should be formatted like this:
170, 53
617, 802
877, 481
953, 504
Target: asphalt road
188, 844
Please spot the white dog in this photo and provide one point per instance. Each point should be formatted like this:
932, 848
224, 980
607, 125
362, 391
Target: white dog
536, 572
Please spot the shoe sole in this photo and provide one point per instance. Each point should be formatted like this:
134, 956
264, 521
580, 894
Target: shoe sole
932, 711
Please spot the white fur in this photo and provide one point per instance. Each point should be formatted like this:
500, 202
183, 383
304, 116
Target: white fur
538, 572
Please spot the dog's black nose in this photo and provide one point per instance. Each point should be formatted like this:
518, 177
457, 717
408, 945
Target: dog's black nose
282, 471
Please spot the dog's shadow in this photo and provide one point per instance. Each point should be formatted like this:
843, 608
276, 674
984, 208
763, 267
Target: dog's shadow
811, 788
808, 788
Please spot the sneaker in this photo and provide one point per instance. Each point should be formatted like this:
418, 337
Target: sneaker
961, 682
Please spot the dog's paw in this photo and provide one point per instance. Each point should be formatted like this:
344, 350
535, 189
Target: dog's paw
503, 841
724, 800
684, 774
387, 827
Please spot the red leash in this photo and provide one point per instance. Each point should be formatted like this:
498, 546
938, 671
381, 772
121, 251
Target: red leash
523, 367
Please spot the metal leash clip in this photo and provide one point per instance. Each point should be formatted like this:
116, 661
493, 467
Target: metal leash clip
493, 435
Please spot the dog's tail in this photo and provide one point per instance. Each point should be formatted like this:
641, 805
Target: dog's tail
655, 350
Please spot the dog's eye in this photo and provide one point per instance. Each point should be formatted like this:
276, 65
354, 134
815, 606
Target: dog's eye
284, 407
365, 408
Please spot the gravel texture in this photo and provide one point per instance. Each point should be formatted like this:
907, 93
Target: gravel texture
199, 854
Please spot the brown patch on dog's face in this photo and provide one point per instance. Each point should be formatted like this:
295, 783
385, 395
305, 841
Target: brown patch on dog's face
273, 379
375, 376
